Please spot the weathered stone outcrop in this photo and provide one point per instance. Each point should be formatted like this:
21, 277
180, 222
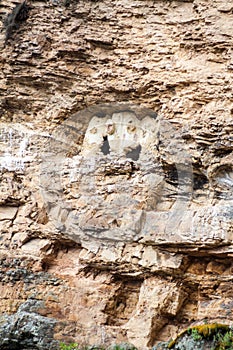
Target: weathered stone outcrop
116, 175
27, 329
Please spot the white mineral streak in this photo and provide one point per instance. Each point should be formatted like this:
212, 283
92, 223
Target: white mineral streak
13, 150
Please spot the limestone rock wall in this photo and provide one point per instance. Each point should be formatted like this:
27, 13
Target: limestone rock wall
116, 175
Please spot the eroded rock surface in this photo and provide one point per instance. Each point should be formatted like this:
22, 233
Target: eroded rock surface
116, 174
27, 329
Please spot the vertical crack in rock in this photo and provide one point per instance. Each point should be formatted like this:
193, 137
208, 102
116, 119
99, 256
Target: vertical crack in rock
18, 15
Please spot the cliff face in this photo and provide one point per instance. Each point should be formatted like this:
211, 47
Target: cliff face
116, 170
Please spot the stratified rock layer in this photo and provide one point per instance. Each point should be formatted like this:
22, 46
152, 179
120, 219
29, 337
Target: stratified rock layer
116, 168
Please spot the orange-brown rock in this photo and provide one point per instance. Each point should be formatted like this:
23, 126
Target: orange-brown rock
116, 175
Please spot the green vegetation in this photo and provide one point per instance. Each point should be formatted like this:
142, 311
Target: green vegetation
195, 334
72, 346
224, 341
219, 335
216, 336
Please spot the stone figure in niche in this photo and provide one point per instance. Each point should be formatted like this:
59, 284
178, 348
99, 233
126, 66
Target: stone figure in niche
114, 180
131, 180
116, 177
